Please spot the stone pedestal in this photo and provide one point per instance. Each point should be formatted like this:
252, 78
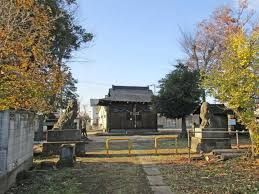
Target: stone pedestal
80, 148
55, 139
64, 135
53, 148
67, 156
206, 141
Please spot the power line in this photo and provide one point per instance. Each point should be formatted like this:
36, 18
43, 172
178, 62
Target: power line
95, 83
110, 84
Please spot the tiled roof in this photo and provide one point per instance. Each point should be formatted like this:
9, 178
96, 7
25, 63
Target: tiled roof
94, 102
129, 94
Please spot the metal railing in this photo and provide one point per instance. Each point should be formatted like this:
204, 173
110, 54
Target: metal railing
108, 140
172, 137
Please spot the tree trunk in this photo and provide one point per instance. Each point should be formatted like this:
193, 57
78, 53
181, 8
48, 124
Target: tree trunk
184, 131
253, 142
203, 95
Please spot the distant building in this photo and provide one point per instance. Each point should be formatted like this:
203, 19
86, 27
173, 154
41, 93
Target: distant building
95, 110
167, 123
102, 118
127, 108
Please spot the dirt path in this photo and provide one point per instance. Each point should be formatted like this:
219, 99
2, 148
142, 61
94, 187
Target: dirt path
142, 154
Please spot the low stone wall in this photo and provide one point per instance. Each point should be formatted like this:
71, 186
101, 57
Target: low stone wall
64, 135
132, 131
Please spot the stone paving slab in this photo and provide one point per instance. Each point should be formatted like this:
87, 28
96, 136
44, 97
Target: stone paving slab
146, 163
151, 171
155, 180
161, 190
154, 177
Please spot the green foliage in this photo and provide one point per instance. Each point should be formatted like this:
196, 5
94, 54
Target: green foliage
68, 92
68, 36
179, 93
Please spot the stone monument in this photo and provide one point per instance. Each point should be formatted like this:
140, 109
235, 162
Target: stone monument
212, 133
66, 119
65, 132
66, 156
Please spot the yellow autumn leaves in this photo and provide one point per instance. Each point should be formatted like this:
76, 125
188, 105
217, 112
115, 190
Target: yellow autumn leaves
235, 81
29, 73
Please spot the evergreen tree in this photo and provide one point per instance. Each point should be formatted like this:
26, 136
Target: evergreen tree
179, 94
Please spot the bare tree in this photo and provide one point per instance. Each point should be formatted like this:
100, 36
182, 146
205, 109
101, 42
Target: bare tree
204, 48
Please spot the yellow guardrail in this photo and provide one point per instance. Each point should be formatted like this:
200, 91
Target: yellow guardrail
158, 138
108, 140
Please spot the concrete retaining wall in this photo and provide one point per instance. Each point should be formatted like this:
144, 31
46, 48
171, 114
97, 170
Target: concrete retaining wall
9, 178
16, 144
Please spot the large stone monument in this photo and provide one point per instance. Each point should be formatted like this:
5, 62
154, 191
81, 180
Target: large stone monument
65, 132
66, 119
212, 133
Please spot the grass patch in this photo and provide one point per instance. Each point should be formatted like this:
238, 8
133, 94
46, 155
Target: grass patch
233, 176
120, 173
91, 178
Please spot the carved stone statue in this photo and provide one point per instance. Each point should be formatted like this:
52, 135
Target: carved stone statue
66, 119
205, 115
212, 133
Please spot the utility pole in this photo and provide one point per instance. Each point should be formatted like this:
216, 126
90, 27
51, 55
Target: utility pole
154, 88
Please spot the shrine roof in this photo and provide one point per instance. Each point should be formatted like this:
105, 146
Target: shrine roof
128, 94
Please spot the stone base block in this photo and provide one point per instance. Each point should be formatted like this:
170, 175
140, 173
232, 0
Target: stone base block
47, 165
208, 133
65, 163
67, 156
207, 145
80, 149
53, 148
63, 135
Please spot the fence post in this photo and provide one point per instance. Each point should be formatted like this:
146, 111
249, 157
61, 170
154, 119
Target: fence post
189, 147
237, 139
